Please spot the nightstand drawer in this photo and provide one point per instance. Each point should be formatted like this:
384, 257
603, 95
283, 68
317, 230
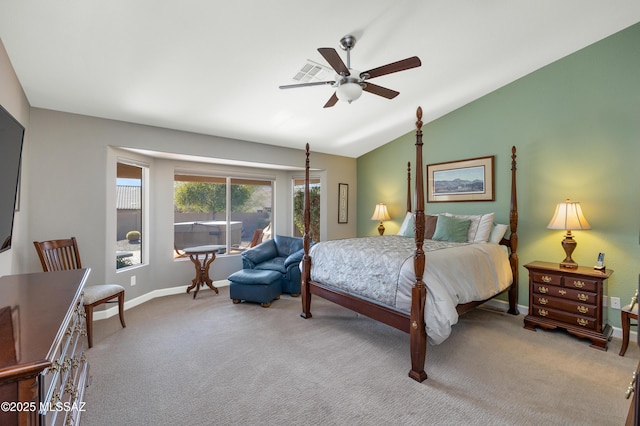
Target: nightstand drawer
566, 293
545, 278
565, 305
580, 284
565, 317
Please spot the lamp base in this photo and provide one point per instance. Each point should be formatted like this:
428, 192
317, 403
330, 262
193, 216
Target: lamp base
569, 245
568, 265
381, 228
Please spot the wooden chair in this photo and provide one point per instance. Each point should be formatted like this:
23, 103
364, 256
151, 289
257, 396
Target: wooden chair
628, 313
59, 255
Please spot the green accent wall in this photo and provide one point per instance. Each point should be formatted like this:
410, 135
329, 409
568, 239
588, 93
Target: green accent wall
576, 126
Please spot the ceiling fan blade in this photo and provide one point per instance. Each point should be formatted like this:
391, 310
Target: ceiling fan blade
332, 101
331, 56
380, 91
402, 65
315, 83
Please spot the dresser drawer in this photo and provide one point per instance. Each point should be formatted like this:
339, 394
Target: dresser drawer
581, 284
544, 278
565, 305
566, 293
565, 317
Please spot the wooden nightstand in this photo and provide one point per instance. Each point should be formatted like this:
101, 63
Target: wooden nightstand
569, 299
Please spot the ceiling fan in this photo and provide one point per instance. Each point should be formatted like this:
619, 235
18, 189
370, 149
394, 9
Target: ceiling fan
349, 83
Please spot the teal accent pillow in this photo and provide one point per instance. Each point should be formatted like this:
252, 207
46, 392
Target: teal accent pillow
409, 230
452, 229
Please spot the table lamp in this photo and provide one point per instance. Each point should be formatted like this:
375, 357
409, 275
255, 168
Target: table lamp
568, 217
380, 213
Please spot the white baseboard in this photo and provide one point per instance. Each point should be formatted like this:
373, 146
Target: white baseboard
110, 312
113, 311
504, 305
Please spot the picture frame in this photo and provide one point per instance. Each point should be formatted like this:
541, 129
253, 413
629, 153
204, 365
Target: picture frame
343, 203
463, 180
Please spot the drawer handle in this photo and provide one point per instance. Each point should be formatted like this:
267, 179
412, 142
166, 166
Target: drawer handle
583, 309
562, 292
631, 386
543, 313
546, 278
543, 290
583, 322
583, 297
578, 284
543, 300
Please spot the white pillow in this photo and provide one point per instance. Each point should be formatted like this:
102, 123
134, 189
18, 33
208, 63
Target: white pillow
408, 221
480, 227
497, 233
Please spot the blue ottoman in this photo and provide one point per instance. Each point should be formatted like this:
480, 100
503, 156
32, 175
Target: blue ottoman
255, 285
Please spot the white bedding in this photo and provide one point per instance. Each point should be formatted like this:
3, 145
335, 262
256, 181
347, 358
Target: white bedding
381, 269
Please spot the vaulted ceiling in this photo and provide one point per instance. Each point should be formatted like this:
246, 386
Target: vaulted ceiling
214, 67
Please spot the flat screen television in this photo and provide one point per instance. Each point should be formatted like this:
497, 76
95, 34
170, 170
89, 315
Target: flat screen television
11, 137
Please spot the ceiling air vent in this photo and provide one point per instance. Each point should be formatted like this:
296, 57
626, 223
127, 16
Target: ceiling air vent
312, 72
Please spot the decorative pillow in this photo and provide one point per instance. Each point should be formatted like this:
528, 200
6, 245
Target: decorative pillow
497, 233
480, 227
429, 229
408, 220
430, 226
410, 230
449, 228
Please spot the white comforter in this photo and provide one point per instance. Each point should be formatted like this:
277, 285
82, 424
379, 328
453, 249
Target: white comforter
381, 269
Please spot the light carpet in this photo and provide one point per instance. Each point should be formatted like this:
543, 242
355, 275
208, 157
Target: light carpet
207, 361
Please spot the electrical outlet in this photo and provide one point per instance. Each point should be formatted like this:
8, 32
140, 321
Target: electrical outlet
133, 280
615, 302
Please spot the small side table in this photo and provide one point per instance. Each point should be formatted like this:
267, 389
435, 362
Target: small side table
202, 267
569, 298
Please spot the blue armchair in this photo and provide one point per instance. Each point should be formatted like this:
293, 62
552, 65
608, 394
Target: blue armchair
282, 254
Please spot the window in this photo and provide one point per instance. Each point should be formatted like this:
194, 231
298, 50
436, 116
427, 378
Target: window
220, 210
130, 224
298, 207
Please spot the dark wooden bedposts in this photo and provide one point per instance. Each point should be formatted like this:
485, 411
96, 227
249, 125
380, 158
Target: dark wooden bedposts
417, 330
412, 322
306, 244
513, 239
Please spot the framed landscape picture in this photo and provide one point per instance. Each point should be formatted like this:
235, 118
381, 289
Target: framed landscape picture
463, 180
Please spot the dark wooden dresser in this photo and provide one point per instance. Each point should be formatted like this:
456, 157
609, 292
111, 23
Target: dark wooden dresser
43, 368
569, 299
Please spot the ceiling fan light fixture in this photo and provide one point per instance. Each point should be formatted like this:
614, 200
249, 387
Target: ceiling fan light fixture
349, 91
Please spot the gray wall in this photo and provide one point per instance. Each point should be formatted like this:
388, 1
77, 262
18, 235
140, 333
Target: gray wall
80, 154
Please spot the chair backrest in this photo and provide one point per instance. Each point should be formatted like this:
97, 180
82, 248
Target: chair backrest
257, 238
58, 255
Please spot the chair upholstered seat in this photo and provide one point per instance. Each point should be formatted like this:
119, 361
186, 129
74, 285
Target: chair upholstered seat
281, 254
59, 255
98, 292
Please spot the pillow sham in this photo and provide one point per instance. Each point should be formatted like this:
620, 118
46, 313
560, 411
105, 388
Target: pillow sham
479, 228
497, 233
449, 228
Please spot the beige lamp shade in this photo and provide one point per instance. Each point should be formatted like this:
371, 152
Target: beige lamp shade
380, 213
568, 217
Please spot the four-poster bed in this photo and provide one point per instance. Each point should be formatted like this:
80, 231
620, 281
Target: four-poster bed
411, 316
